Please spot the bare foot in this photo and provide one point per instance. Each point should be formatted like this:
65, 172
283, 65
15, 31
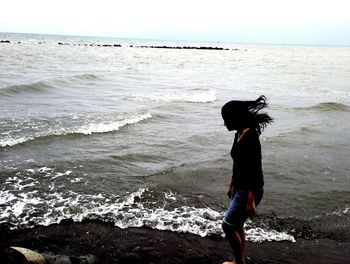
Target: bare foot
233, 262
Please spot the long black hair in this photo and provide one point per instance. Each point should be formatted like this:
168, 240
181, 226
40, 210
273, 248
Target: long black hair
246, 114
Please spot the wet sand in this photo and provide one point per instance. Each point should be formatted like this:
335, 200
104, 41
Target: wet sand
111, 244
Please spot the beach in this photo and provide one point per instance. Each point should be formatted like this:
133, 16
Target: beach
111, 244
117, 148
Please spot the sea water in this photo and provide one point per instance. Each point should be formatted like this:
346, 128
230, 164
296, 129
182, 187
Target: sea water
133, 135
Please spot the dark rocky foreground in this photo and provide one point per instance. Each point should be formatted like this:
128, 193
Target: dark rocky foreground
99, 242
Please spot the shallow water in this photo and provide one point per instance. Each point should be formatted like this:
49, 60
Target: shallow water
134, 135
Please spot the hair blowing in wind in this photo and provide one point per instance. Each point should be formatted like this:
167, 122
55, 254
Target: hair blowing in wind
247, 113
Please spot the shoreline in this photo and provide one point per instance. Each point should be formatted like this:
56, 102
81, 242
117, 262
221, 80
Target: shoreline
111, 244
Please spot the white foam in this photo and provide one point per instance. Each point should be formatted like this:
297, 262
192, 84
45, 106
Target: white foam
76, 180
6, 197
44, 170
21, 184
10, 142
18, 208
200, 96
127, 211
59, 174
344, 211
259, 235
111, 126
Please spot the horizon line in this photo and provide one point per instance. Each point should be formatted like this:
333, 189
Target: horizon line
183, 40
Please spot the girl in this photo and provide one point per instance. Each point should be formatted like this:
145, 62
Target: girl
246, 187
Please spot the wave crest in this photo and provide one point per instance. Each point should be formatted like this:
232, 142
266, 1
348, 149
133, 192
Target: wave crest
199, 96
45, 85
92, 128
32, 87
329, 106
110, 126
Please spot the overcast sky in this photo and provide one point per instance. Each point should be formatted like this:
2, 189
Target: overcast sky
325, 22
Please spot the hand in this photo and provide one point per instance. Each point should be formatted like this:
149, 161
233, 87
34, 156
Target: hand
251, 209
229, 191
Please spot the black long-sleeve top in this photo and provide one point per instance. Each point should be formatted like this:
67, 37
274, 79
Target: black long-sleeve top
247, 167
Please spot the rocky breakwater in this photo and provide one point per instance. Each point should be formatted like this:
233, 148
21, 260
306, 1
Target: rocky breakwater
132, 46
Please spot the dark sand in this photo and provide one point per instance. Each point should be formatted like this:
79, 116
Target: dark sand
111, 244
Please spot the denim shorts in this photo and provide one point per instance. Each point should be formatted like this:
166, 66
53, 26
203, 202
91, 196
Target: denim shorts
237, 213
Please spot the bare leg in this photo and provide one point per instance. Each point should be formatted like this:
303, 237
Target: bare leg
242, 236
237, 244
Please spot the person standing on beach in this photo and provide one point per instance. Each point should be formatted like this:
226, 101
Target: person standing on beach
246, 187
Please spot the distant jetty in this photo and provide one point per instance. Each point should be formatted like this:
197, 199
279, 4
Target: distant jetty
133, 46
148, 47
184, 47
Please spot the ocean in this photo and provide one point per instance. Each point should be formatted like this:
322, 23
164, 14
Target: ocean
129, 131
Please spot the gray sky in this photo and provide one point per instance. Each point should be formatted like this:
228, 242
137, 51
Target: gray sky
325, 22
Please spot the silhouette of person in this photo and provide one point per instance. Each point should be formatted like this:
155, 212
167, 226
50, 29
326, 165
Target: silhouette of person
246, 187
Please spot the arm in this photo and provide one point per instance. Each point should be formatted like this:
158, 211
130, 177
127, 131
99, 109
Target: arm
253, 171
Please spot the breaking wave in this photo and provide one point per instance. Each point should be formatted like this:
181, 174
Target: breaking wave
23, 207
91, 128
198, 96
111, 126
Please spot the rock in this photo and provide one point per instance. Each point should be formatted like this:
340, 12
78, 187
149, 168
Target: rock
64, 259
20, 255
10, 256
29, 255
